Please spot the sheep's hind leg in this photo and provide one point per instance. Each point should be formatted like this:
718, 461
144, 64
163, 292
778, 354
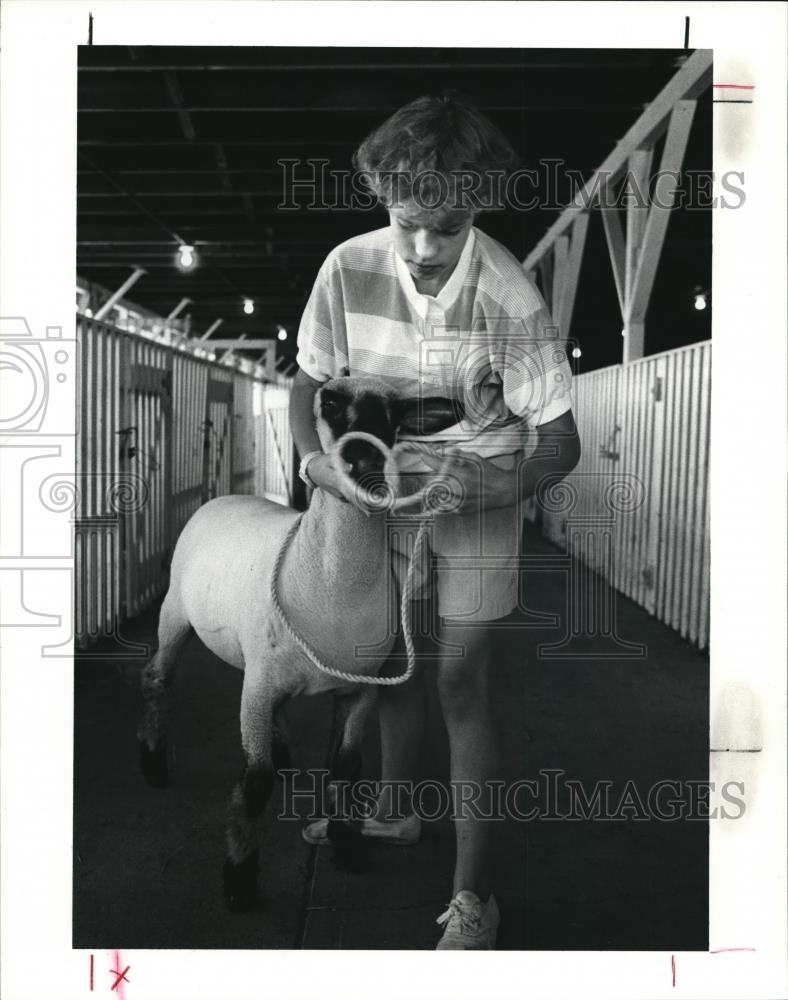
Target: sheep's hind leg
344, 832
250, 797
157, 678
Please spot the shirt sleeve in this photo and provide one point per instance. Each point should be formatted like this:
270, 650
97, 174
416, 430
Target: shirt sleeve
322, 334
533, 366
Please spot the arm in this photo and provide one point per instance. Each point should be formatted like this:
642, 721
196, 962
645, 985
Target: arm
557, 452
305, 437
302, 420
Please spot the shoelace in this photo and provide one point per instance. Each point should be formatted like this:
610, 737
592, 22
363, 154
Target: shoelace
468, 919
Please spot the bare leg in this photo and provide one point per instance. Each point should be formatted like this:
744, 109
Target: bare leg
344, 831
402, 712
464, 697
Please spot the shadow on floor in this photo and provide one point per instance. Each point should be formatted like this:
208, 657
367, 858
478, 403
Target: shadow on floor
147, 862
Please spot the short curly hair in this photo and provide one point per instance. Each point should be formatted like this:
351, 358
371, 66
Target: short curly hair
440, 150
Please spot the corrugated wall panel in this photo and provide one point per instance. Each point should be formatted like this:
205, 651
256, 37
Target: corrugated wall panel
154, 433
655, 467
143, 468
244, 453
190, 380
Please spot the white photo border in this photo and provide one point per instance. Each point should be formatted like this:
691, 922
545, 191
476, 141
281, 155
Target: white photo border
38, 77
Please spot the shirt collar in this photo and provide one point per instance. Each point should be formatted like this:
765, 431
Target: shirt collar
447, 296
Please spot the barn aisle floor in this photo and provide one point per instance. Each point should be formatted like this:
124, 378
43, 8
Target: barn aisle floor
147, 862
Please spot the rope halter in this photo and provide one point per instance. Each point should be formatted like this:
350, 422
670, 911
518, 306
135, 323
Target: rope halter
442, 495
438, 496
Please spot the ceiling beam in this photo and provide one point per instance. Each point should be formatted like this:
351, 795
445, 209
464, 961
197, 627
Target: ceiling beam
418, 67
140, 207
272, 193
205, 244
146, 143
153, 216
221, 163
690, 81
191, 210
211, 171
251, 211
383, 109
176, 97
247, 344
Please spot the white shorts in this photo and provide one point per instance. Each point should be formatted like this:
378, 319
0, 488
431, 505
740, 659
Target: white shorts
472, 560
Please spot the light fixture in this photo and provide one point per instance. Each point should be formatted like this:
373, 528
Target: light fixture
88, 312
248, 306
701, 298
576, 353
186, 257
281, 333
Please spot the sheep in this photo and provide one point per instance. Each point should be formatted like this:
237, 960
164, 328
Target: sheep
332, 572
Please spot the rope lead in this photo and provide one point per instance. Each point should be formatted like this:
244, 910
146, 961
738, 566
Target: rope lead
377, 503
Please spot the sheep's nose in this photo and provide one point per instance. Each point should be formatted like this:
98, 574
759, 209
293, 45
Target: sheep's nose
366, 463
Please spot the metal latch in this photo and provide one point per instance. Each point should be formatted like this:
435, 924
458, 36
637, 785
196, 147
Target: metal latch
608, 449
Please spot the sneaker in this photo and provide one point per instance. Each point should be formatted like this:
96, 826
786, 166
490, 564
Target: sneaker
471, 925
401, 832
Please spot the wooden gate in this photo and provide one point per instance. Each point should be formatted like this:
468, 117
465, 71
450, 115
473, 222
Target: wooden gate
275, 445
145, 452
217, 439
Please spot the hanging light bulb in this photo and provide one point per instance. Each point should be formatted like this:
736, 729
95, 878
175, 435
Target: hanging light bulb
248, 306
281, 333
186, 257
576, 353
700, 297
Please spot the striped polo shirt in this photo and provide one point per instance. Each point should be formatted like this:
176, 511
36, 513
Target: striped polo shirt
486, 339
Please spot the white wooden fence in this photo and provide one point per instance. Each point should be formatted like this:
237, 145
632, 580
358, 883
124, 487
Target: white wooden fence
636, 508
160, 433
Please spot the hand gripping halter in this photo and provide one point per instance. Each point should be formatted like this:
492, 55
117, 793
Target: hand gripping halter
436, 495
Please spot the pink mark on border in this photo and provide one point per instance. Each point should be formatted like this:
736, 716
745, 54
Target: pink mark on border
717, 951
673, 968
119, 972
91, 973
735, 86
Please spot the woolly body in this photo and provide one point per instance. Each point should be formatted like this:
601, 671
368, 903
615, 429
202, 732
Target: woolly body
221, 576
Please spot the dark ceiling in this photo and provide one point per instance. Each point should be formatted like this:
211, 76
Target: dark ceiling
184, 142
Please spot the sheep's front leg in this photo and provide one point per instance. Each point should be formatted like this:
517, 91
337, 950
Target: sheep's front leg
157, 677
250, 797
344, 832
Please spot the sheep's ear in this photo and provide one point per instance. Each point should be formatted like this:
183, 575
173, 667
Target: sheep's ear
427, 416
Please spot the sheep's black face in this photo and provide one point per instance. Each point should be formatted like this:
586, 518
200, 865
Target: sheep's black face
344, 411
368, 404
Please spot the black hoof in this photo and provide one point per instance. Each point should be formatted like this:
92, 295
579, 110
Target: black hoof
351, 851
280, 757
153, 764
240, 884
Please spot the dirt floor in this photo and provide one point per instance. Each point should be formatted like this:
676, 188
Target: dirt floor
147, 862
